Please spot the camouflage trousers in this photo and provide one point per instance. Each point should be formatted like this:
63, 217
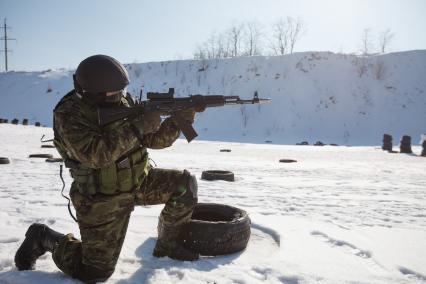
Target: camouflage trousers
103, 221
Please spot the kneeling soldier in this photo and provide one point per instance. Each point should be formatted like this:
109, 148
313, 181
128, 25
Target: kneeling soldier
112, 174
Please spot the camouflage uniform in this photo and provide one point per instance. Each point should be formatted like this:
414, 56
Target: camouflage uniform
104, 192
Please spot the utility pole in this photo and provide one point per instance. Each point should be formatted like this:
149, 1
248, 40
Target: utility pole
5, 38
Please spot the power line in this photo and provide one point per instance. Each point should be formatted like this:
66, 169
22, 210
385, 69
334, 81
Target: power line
5, 38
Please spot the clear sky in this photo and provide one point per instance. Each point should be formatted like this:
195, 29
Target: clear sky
60, 33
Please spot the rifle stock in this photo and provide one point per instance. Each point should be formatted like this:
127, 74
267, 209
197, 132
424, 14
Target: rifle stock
107, 115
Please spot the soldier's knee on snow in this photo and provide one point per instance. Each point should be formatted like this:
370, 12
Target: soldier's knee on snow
187, 191
91, 274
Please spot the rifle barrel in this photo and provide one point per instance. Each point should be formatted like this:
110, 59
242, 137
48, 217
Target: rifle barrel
235, 100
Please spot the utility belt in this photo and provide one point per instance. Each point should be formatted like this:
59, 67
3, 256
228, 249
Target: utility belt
125, 175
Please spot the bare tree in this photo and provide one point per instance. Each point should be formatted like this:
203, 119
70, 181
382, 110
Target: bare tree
385, 39
235, 34
216, 46
280, 37
223, 46
366, 41
200, 53
211, 46
252, 36
295, 31
285, 34
247, 39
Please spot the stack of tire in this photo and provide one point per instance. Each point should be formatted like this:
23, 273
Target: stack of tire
424, 148
387, 142
405, 145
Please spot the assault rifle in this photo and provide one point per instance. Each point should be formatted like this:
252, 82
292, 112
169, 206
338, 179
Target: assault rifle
167, 104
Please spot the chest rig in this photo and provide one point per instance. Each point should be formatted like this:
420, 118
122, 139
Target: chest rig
126, 174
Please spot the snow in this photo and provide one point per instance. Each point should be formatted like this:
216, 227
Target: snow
339, 215
316, 96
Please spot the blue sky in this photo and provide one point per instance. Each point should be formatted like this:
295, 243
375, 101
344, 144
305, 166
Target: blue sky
59, 33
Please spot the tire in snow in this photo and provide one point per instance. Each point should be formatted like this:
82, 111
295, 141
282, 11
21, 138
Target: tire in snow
217, 175
4, 160
48, 156
216, 229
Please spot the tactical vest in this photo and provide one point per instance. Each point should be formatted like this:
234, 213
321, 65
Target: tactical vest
126, 174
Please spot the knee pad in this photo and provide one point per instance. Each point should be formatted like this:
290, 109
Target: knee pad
192, 185
187, 191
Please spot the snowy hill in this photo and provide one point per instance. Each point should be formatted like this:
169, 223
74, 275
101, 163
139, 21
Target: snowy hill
339, 215
335, 98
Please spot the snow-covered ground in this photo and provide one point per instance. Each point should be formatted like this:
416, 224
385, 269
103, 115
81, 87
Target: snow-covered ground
338, 215
334, 98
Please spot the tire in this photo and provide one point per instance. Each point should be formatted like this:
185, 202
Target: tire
225, 150
217, 175
287, 161
48, 146
54, 160
40, 156
216, 229
4, 160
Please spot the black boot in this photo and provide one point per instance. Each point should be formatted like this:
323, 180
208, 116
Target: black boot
168, 244
39, 238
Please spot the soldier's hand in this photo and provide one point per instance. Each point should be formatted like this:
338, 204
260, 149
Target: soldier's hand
188, 115
147, 123
200, 104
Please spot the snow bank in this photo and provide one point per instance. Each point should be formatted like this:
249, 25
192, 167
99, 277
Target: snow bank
334, 98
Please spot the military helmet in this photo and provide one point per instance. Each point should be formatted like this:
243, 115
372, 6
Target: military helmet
100, 74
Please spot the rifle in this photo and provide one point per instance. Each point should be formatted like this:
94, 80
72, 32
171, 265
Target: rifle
167, 104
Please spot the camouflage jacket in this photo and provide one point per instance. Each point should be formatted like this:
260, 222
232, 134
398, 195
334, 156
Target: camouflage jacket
77, 131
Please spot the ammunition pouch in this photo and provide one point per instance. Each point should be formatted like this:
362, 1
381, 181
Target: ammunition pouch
124, 175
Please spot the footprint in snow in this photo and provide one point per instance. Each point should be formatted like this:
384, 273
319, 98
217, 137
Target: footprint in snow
9, 240
342, 244
412, 274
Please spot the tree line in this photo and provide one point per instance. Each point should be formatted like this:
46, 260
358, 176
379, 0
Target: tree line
280, 38
252, 38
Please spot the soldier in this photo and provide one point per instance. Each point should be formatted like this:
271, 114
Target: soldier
112, 174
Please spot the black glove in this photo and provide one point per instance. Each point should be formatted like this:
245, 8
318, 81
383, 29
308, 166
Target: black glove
187, 114
200, 105
147, 123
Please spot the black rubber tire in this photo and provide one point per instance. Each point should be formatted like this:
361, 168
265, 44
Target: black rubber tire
40, 156
4, 160
48, 146
287, 161
54, 160
216, 229
218, 175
